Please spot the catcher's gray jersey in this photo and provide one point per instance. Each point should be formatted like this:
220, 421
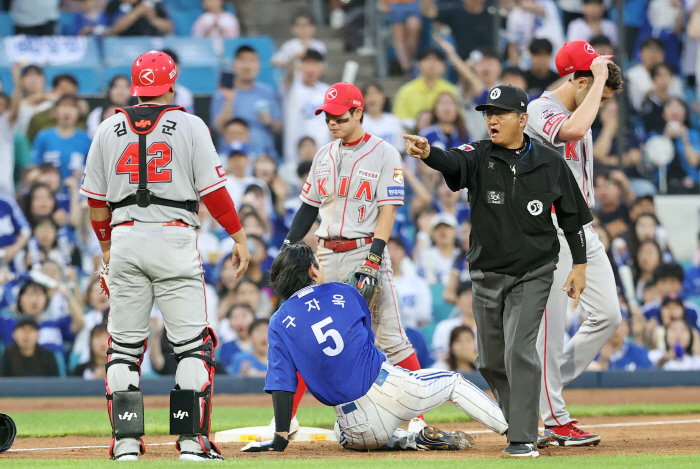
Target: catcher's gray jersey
547, 115
183, 165
350, 189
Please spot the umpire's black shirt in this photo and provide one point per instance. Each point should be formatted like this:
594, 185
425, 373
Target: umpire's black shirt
511, 197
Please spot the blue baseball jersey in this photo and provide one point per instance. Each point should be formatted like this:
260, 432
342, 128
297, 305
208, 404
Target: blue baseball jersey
67, 154
12, 222
325, 333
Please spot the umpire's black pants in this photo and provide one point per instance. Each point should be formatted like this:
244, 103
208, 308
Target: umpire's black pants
508, 310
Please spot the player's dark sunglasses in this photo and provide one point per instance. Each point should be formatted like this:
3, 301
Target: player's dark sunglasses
338, 121
494, 111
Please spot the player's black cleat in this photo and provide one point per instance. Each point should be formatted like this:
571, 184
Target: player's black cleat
432, 438
201, 456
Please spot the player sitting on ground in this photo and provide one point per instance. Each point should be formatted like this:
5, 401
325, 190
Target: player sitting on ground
324, 331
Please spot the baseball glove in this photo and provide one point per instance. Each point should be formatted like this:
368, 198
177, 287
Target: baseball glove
367, 279
103, 275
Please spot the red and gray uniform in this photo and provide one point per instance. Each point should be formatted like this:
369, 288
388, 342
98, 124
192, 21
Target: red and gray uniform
561, 364
348, 190
153, 253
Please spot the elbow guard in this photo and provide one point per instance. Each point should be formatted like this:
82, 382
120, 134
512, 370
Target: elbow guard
222, 209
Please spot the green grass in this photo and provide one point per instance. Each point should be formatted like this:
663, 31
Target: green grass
388, 461
96, 423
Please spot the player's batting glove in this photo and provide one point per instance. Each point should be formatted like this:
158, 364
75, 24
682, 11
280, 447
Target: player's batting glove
279, 443
103, 275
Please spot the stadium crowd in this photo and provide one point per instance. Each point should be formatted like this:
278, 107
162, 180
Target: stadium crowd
53, 313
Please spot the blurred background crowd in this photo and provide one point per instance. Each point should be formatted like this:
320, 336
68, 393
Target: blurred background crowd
422, 66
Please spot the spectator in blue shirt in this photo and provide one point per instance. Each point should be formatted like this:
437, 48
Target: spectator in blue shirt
234, 333
253, 363
250, 100
14, 229
668, 280
65, 146
447, 129
620, 353
54, 333
91, 20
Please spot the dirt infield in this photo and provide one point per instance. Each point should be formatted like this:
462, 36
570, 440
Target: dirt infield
621, 435
677, 395
682, 438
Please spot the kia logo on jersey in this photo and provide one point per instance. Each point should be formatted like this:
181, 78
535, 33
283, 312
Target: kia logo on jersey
147, 77
143, 123
332, 94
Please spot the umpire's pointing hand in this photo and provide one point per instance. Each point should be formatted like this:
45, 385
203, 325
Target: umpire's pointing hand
576, 283
416, 146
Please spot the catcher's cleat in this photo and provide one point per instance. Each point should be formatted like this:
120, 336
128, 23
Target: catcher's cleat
201, 456
545, 438
432, 439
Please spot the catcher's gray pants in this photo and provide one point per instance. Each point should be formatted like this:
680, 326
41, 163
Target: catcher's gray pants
147, 261
507, 311
397, 396
390, 336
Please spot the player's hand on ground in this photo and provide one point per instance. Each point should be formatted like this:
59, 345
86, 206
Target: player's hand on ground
416, 146
576, 283
599, 67
241, 254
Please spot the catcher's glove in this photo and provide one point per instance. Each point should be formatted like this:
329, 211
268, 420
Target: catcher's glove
103, 275
367, 279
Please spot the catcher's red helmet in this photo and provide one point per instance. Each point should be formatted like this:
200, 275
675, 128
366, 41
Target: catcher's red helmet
152, 74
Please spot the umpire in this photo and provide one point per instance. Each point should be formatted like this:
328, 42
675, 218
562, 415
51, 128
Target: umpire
513, 183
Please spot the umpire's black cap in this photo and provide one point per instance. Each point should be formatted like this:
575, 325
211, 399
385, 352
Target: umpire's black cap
8, 432
505, 97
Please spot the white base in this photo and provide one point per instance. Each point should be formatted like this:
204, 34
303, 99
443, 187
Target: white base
248, 434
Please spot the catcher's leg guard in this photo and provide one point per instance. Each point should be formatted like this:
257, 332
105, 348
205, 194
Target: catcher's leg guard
190, 401
124, 398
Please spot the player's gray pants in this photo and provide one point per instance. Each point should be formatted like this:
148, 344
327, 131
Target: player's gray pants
560, 365
397, 396
149, 260
390, 336
507, 311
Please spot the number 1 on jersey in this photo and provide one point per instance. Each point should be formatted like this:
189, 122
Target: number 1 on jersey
129, 162
321, 337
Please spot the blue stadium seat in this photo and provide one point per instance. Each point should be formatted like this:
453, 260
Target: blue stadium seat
6, 26
197, 58
180, 5
441, 309
183, 21
65, 21
264, 46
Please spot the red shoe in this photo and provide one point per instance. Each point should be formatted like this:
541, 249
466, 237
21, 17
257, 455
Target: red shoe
570, 435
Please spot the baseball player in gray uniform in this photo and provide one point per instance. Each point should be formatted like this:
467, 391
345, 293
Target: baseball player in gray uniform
148, 168
355, 185
562, 119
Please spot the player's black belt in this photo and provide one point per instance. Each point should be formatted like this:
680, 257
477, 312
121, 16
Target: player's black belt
144, 197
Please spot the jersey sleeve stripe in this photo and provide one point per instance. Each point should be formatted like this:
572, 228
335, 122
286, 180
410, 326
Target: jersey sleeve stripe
216, 184
93, 193
310, 200
390, 200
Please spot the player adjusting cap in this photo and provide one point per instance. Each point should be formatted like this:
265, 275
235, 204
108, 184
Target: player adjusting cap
575, 56
152, 74
340, 98
507, 97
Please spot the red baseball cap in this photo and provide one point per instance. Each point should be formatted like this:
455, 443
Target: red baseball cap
575, 56
341, 97
152, 74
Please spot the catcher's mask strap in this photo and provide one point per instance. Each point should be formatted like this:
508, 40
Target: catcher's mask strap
8, 432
